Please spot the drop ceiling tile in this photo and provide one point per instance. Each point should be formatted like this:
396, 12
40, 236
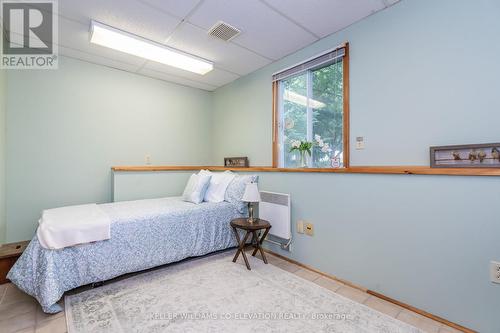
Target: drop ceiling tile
75, 54
225, 55
175, 79
74, 37
131, 16
216, 77
324, 17
390, 2
263, 30
74, 43
178, 8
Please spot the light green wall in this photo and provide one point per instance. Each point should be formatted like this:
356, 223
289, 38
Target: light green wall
144, 185
242, 121
67, 127
423, 73
3, 98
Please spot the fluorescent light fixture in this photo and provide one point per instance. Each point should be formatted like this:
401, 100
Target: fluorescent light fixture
302, 100
116, 39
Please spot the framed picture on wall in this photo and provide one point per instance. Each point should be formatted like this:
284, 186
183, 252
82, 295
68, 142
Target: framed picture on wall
236, 162
486, 155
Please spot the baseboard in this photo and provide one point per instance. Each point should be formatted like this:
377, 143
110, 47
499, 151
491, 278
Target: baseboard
376, 294
350, 284
422, 312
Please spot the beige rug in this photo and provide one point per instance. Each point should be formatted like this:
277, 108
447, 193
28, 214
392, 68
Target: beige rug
213, 294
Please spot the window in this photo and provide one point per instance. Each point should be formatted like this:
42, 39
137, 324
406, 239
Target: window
311, 106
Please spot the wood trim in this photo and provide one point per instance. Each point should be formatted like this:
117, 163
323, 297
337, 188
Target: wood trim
333, 277
376, 294
346, 111
421, 312
275, 126
345, 116
395, 170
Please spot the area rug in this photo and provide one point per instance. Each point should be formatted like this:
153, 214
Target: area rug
213, 294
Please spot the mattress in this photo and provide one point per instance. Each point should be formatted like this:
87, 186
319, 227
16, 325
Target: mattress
144, 234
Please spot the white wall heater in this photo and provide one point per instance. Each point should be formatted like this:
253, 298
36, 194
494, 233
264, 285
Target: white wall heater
275, 208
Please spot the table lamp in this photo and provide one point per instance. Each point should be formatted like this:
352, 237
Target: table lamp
251, 195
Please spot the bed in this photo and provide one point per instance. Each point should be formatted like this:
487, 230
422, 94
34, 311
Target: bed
144, 234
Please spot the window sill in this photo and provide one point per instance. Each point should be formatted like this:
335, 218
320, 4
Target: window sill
401, 170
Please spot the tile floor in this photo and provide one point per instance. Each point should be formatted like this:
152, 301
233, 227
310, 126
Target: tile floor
21, 313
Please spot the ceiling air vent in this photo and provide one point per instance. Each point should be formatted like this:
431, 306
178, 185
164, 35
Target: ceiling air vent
223, 31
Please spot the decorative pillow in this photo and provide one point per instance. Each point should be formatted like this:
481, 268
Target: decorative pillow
218, 185
236, 189
196, 188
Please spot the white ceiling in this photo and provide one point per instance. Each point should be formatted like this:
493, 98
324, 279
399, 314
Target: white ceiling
271, 29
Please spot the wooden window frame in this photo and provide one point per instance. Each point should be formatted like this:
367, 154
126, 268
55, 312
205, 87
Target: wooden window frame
345, 116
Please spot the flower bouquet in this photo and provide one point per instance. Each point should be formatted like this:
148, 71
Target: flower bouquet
305, 148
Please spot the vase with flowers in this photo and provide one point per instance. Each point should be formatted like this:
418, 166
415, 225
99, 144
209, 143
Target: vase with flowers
305, 149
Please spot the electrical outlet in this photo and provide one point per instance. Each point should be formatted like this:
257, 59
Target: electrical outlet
147, 159
300, 226
309, 229
495, 272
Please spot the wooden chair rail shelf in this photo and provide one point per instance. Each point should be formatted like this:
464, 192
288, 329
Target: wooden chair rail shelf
397, 170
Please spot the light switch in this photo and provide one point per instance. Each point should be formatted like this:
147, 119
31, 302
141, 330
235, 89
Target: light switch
300, 226
360, 142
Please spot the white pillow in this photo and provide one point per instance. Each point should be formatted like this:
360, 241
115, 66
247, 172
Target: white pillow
196, 188
218, 185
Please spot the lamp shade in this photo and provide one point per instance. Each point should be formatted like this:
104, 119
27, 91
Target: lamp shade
251, 193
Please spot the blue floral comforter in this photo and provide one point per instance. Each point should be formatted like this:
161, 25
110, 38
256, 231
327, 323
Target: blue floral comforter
144, 234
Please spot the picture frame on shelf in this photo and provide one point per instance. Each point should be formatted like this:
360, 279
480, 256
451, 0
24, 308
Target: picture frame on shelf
485, 155
236, 162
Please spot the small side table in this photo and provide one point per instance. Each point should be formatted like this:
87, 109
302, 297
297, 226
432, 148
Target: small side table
9, 253
251, 229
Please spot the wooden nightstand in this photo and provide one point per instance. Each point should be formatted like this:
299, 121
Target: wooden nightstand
251, 229
8, 256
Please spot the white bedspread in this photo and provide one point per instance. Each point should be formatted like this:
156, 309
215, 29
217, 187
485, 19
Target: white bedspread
72, 225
